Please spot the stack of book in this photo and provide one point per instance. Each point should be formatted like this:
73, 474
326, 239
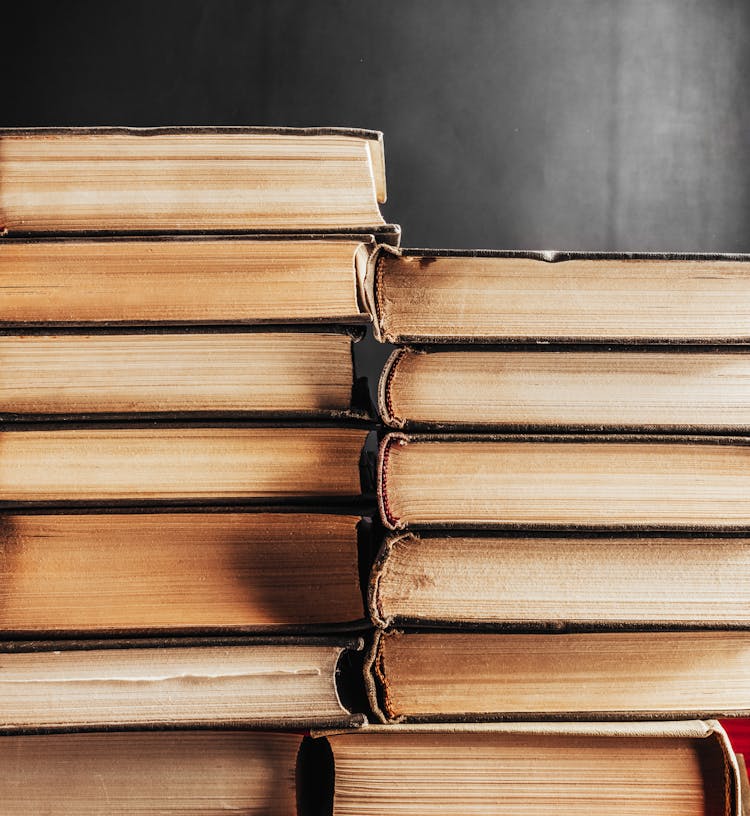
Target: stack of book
560, 608
566, 487
180, 457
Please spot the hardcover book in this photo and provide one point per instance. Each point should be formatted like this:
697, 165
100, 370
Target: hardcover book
545, 481
619, 768
558, 581
193, 571
149, 773
662, 389
519, 769
139, 463
454, 676
263, 683
487, 296
183, 179
205, 373
183, 280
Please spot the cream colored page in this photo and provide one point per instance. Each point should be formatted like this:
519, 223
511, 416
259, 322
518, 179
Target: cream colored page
98, 572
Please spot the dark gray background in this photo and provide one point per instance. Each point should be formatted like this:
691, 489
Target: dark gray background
542, 124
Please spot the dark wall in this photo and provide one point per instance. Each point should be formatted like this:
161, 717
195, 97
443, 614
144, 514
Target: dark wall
575, 124
543, 124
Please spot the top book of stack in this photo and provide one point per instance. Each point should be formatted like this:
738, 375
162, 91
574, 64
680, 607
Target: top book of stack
166, 180
429, 296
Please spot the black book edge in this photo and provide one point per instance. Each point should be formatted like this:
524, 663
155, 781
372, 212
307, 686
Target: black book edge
178, 130
557, 256
383, 234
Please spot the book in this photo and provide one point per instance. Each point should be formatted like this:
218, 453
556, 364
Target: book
644, 389
142, 463
623, 769
428, 676
629, 482
170, 179
455, 296
556, 581
180, 573
111, 684
141, 773
183, 279
283, 374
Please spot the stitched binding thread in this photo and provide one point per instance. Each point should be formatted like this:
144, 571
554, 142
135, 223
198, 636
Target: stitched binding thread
377, 286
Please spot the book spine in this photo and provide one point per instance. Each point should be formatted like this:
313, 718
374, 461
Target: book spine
385, 396
389, 520
379, 567
375, 681
371, 288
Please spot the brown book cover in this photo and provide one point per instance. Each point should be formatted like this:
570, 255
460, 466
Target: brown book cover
744, 785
